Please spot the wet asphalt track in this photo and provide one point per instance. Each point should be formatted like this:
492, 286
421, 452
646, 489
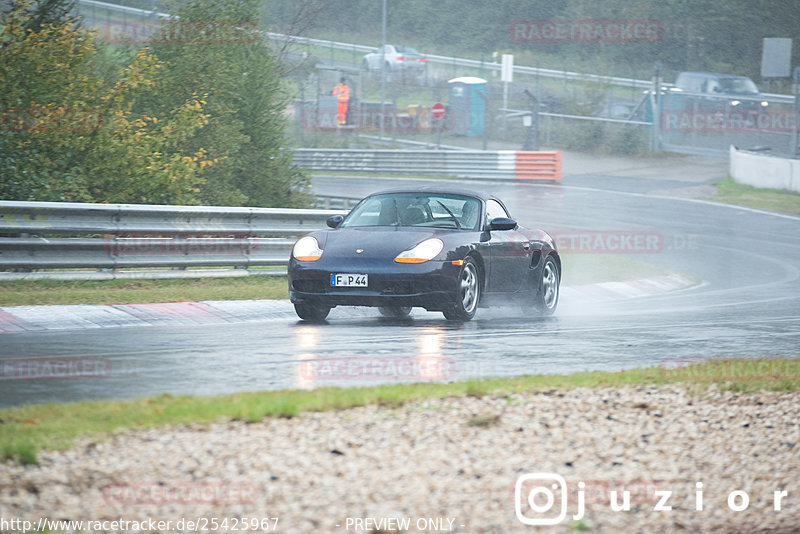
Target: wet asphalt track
747, 306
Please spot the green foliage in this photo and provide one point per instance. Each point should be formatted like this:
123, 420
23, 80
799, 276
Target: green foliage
67, 136
23, 452
178, 122
49, 12
45, 96
245, 107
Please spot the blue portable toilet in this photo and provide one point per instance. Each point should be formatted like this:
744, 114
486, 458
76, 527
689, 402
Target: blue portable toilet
467, 105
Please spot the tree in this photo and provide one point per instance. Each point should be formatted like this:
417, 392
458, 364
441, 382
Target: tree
51, 13
231, 63
73, 131
47, 104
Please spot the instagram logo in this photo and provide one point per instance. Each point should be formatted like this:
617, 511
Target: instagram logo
540, 498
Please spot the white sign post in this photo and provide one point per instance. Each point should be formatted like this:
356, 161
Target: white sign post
507, 68
506, 76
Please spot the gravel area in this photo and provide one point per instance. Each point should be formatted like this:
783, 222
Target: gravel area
446, 465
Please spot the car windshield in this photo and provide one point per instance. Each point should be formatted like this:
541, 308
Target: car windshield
737, 86
407, 50
434, 210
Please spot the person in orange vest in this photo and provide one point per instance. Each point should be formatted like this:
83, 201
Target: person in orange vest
342, 94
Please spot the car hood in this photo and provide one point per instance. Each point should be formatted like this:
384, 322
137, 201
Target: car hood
375, 242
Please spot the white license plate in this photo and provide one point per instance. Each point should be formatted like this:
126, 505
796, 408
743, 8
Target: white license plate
349, 280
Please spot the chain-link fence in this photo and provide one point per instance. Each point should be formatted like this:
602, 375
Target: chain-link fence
711, 123
541, 108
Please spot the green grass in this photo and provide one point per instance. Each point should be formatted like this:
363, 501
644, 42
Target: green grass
779, 200
45, 292
26, 430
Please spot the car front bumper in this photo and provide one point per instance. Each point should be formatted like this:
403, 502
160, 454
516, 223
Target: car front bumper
432, 285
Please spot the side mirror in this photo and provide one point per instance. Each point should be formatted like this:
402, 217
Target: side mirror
501, 223
335, 220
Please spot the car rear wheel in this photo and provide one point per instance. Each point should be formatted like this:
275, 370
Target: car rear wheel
394, 311
547, 298
310, 312
469, 293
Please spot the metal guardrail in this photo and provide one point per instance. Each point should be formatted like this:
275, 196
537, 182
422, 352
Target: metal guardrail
48, 218
470, 63
126, 9
112, 236
471, 164
328, 202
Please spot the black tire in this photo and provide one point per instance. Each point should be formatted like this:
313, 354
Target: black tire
469, 293
394, 311
547, 296
312, 313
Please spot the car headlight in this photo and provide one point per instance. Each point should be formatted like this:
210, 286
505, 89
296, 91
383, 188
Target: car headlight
425, 251
307, 249
735, 102
764, 104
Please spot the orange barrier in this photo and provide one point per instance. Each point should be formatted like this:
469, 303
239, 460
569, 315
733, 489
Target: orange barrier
535, 165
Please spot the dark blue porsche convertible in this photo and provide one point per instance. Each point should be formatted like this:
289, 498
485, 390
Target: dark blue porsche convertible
442, 249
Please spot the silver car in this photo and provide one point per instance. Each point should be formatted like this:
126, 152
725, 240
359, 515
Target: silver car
397, 58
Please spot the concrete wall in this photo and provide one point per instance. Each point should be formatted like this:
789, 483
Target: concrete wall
759, 170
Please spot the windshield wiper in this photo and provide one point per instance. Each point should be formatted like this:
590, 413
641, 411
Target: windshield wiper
455, 220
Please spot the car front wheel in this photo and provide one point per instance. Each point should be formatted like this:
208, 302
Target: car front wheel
469, 293
312, 313
547, 298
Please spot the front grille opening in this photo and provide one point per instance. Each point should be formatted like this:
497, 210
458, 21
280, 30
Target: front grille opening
308, 286
399, 288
